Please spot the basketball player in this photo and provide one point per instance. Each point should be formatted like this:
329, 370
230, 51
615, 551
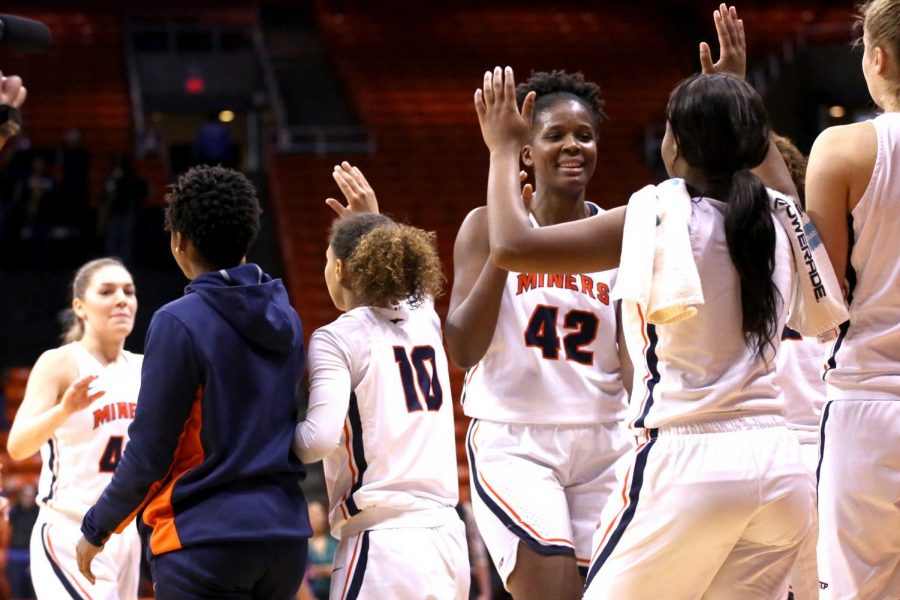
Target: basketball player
209, 468
79, 401
715, 501
854, 175
544, 384
381, 417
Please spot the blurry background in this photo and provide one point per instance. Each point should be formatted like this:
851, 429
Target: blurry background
131, 93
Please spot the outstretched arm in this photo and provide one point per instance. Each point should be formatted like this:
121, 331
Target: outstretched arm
582, 246
733, 61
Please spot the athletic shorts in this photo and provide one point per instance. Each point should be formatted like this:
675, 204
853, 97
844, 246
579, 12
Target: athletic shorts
859, 500
713, 509
402, 563
541, 485
54, 569
804, 580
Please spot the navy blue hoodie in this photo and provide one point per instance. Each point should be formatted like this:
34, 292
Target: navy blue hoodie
209, 457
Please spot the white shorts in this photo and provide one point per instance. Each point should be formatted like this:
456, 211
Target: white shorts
404, 563
804, 580
859, 500
542, 485
54, 569
714, 509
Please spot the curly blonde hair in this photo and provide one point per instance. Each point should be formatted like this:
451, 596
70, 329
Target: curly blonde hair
387, 262
795, 161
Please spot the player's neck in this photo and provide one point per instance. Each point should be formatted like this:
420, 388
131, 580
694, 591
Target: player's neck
552, 207
105, 351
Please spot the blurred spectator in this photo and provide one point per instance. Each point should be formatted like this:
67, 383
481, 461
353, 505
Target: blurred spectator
74, 162
213, 144
34, 200
22, 517
481, 587
123, 193
321, 552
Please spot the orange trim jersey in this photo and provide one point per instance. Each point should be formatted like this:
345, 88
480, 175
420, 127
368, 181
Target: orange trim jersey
553, 358
81, 456
210, 454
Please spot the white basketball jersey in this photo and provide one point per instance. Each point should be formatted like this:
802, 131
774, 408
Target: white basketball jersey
865, 361
701, 368
81, 456
397, 454
553, 358
799, 367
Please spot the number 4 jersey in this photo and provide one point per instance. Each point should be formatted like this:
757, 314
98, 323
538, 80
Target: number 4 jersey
395, 464
553, 358
81, 456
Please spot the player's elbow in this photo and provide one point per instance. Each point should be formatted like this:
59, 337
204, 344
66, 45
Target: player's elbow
17, 448
509, 255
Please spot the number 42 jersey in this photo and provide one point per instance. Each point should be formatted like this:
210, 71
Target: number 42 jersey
395, 464
553, 358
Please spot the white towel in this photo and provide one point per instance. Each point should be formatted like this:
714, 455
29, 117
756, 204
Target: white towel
657, 270
818, 307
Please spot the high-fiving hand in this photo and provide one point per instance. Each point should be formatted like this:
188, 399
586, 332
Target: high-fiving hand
356, 189
732, 45
502, 125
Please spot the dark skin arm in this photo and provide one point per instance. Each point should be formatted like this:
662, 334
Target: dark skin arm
475, 297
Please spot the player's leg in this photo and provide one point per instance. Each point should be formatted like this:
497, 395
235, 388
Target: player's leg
760, 564
591, 479
403, 563
54, 569
521, 509
804, 579
681, 504
859, 500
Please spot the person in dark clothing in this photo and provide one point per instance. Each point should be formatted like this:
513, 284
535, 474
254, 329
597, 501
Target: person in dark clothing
209, 469
124, 191
22, 517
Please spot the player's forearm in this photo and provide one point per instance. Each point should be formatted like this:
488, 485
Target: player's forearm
28, 434
508, 222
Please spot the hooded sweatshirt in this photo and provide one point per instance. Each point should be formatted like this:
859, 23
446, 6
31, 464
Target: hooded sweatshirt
209, 457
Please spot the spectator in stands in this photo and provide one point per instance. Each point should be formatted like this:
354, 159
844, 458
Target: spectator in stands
74, 163
213, 144
123, 193
22, 517
321, 552
34, 200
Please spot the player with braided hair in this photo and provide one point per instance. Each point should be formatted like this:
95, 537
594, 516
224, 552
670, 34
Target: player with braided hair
544, 383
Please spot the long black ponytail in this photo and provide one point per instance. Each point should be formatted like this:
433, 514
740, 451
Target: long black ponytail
721, 127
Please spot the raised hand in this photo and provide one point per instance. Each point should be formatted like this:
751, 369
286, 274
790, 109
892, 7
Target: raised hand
78, 396
12, 92
359, 194
732, 45
502, 125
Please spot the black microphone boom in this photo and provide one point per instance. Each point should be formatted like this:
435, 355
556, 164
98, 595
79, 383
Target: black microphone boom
19, 33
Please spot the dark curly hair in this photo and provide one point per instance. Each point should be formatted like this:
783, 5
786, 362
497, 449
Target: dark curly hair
216, 209
555, 85
387, 262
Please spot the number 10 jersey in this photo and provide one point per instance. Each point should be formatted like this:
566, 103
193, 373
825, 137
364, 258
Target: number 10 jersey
395, 465
553, 358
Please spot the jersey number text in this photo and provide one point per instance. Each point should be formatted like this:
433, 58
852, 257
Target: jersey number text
541, 333
429, 386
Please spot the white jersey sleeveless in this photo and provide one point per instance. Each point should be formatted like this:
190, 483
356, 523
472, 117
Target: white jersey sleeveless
396, 461
799, 365
865, 361
553, 358
701, 368
81, 456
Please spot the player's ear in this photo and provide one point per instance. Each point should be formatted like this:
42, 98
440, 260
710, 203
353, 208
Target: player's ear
78, 308
526, 156
339, 270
